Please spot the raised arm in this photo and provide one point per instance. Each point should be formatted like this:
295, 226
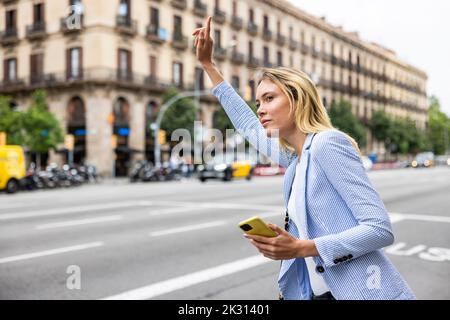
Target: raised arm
240, 114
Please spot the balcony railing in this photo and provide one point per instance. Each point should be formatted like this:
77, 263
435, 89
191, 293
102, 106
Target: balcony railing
100, 76
252, 28
200, 9
153, 34
179, 4
9, 37
253, 62
179, 42
236, 22
126, 25
220, 53
72, 24
268, 64
36, 30
281, 40
237, 57
304, 48
267, 34
219, 15
293, 45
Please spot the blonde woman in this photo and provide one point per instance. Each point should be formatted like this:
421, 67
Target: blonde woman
335, 220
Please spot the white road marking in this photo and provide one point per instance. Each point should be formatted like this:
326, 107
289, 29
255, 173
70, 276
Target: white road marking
51, 252
167, 286
188, 228
78, 222
69, 210
159, 212
219, 205
15, 205
396, 217
421, 217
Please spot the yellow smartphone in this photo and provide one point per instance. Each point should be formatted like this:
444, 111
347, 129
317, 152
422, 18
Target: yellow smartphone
256, 226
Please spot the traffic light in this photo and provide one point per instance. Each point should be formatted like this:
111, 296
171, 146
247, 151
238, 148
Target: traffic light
111, 118
2, 138
162, 137
114, 141
69, 141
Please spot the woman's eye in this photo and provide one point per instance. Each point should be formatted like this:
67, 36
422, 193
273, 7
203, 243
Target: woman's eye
269, 98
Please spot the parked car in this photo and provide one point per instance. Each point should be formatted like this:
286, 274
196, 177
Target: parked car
423, 159
227, 168
443, 160
12, 168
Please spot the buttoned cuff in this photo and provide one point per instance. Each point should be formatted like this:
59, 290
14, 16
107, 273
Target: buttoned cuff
330, 251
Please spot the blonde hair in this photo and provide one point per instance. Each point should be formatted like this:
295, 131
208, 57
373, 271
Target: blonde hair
310, 115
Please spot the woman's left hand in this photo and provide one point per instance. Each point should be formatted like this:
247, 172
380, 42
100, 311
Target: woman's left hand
282, 247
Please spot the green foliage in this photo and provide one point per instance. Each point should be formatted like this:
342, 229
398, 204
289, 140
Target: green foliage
181, 114
36, 128
400, 136
11, 122
342, 117
438, 127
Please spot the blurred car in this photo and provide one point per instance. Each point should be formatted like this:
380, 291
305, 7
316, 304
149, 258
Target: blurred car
227, 168
423, 159
12, 168
367, 163
443, 160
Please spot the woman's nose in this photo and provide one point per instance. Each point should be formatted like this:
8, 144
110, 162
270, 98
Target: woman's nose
260, 112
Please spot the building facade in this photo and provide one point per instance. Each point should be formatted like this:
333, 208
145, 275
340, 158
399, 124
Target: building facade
106, 63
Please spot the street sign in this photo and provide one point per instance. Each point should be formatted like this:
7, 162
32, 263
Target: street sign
2, 138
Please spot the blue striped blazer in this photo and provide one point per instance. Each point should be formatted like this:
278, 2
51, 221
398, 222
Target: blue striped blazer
339, 209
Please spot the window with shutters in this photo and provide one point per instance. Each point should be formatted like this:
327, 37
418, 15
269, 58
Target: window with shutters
177, 74
36, 67
11, 20
124, 65
10, 70
74, 63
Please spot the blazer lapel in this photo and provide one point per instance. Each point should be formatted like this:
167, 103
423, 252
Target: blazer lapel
301, 208
301, 204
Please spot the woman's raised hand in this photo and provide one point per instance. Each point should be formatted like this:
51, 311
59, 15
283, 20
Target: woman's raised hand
204, 43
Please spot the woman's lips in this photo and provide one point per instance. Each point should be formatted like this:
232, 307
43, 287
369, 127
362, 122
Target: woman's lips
265, 122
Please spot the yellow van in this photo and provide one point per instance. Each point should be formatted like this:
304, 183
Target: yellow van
12, 168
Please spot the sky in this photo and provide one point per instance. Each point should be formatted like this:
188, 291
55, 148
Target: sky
418, 31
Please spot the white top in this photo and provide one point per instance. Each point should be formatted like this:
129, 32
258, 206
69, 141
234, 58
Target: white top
318, 285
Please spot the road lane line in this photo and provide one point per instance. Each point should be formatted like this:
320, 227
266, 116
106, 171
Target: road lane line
188, 228
396, 217
69, 210
159, 212
423, 217
51, 252
219, 205
78, 222
167, 286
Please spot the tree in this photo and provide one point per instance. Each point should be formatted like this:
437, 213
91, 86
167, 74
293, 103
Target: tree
379, 125
438, 127
11, 122
181, 114
221, 120
343, 119
43, 131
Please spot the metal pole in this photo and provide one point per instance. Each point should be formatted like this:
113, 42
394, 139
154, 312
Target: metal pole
164, 107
